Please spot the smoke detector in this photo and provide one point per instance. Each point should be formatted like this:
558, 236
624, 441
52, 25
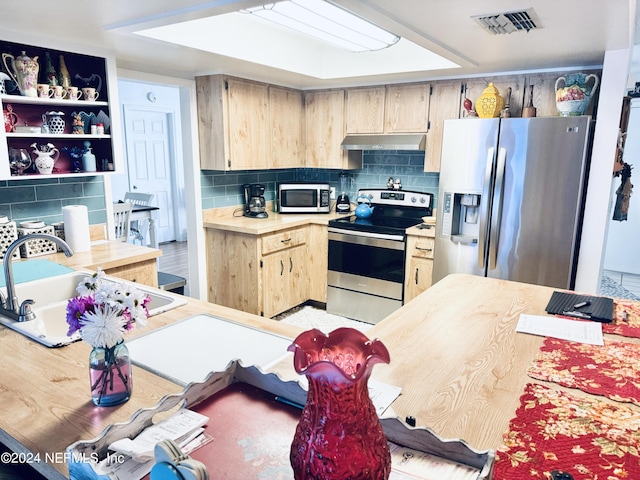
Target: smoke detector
509, 22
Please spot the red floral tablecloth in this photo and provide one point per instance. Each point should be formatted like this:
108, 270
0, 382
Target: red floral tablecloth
587, 438
612, 370
626, 318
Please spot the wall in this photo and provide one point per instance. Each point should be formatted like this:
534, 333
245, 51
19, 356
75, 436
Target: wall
43, 199
223, 189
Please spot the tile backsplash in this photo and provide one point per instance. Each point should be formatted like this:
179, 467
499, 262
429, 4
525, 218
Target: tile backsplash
43, 199
224, 189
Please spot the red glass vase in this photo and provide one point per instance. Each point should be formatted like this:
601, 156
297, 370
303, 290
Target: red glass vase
339, 435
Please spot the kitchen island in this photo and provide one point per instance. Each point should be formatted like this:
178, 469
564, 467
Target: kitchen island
454, 351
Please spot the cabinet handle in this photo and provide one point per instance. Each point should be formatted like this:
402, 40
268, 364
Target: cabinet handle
290, 264
417, 276
286, 240
281, 267
424, 249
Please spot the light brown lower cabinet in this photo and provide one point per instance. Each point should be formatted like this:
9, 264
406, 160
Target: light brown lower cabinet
419, 267
261, 274
145, 272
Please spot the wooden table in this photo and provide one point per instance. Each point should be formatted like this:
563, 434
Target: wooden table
454, 351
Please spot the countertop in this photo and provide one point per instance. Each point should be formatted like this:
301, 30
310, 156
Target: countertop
454, 351
106, 254
273, 223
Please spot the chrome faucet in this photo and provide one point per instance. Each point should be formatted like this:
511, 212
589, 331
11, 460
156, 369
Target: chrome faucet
11, 307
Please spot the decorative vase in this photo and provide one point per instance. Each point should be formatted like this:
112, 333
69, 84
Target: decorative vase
46, 156
489, 104
339, 435
110, 375
575, 93
88, 159
64, 78
52, 76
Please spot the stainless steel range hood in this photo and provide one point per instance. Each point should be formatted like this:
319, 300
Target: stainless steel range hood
385, 142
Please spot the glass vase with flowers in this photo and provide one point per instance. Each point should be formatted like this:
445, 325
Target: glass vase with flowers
102, 313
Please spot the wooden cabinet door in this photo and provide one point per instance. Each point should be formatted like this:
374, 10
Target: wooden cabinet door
286, 123
444, 104
248, 125
324, 129
283, 280
233, 270
418, 277
318, 262
419, 266
365, 110
407, 108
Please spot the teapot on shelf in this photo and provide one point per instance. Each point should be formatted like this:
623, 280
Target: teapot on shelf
24, 71
364, 208
46, 156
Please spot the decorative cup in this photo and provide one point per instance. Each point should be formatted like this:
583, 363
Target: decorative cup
74, 93
44, 90
90, 94
58, 92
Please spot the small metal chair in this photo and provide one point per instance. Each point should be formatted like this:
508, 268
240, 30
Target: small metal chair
121, 214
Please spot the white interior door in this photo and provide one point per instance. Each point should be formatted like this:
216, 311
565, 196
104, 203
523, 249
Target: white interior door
149, 150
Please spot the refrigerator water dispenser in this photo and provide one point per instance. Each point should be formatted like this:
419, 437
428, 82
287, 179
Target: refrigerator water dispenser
460, 217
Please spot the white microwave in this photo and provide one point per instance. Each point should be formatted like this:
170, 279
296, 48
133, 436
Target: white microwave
304, 197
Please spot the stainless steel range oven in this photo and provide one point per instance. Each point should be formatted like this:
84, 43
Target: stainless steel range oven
367, 256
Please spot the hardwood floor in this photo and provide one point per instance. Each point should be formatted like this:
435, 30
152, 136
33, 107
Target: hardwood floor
174, 260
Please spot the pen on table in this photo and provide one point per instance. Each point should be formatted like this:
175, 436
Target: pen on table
582, 304
286, 401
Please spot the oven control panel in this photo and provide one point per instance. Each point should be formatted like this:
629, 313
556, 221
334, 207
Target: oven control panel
402, 198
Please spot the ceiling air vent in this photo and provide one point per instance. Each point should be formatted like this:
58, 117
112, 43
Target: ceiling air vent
509, 22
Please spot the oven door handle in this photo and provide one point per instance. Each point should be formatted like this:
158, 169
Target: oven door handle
396, 242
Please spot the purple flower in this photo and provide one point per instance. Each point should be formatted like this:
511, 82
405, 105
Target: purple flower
76, 307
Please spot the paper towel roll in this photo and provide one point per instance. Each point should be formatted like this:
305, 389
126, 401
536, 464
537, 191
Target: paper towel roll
76, 227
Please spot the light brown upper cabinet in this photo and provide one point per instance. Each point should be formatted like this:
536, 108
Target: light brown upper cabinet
407, 108
444, 105
233, 123
286, 113
325, 129
365, 110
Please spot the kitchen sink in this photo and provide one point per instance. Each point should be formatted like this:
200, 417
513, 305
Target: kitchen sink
51, 295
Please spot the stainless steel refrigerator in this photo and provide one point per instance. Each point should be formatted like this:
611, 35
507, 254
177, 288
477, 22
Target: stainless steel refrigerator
511, 198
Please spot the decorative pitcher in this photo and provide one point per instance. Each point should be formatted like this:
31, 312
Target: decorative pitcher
3, 78
46, 156
23, 71
54, 121
10, 119
339, 435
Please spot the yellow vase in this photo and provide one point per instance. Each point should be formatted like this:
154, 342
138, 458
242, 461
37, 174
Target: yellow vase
490, 103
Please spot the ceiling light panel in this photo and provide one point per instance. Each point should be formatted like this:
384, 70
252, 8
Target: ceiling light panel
328, 23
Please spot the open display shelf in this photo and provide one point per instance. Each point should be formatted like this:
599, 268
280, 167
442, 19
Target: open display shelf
26, 111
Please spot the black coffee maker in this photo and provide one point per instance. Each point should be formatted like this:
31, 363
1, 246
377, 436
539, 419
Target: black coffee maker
254, 202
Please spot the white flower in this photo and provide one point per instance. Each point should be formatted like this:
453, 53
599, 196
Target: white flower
91, 283
104, 327
105, 310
